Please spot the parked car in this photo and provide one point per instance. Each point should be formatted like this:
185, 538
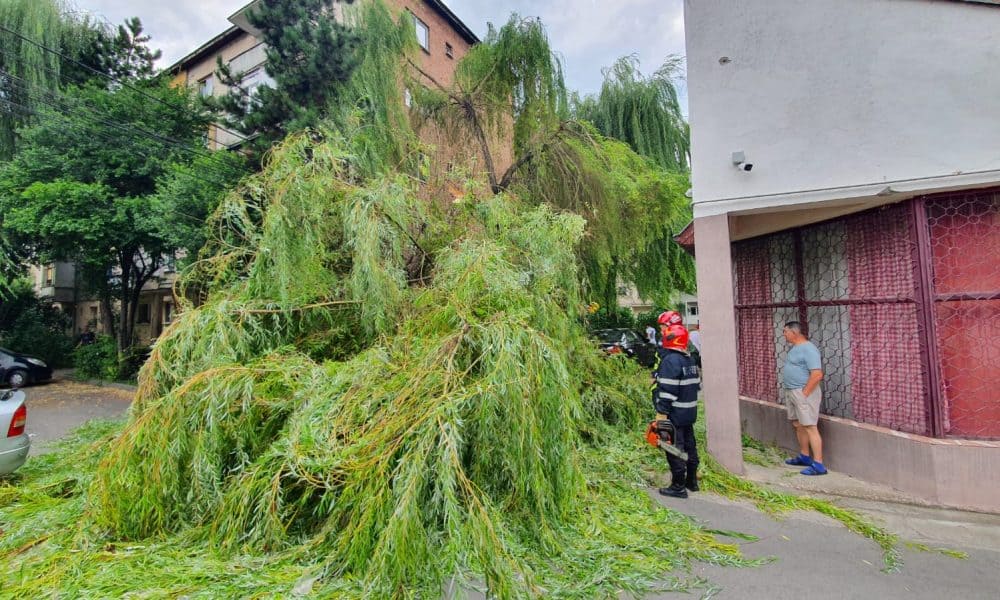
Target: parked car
627, 342
18, 370
14, 440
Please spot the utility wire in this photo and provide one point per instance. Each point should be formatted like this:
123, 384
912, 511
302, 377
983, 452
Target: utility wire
28, 111
25, 87
66, 113
105, 75
59, 73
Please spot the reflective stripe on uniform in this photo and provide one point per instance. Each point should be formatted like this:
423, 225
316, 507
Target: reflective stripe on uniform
685, 404
678, 381
668, 396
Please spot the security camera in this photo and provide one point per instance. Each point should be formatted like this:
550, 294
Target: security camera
740, 161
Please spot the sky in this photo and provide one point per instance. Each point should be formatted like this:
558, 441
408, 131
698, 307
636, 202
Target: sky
588, 34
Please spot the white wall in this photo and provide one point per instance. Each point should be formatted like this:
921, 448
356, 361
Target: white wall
835, 99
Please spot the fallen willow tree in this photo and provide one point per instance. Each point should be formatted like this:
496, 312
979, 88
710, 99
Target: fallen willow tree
449, 447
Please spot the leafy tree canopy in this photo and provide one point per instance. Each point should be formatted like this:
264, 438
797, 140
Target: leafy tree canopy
83, 184
46, 46
644, 112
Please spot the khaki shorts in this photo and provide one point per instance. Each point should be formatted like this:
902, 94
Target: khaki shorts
802, 408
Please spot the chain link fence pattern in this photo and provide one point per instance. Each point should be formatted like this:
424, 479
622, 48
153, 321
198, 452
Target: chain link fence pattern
903, 302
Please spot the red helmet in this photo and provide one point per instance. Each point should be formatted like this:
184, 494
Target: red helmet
671, 317
676, 338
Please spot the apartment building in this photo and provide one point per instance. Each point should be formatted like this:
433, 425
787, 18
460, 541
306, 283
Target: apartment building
443, 37
58, 283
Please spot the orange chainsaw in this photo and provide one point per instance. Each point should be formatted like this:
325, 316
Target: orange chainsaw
660, 434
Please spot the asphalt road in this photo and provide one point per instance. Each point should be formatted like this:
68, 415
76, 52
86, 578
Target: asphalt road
56, 408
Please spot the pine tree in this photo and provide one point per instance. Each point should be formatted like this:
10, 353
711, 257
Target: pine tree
310, 57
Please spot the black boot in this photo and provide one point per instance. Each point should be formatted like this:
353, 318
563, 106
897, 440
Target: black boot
675, 492
691, 482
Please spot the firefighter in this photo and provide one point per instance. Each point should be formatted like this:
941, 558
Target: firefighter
676, 397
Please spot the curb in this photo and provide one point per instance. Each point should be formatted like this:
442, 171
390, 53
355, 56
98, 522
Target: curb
128, 387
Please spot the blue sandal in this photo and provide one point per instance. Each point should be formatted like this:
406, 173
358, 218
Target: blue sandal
799, 461
814, 469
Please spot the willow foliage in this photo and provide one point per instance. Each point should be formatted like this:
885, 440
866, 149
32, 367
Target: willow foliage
51, 24
394, 437
633, 209
644, 112
631, 194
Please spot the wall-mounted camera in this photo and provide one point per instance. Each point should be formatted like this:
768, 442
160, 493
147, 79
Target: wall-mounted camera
740, 161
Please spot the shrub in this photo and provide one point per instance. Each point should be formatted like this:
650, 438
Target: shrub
98, 360
33, 326
612, 317
131, 361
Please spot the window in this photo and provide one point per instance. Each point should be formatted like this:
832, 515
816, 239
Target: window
256, 78
167, 312
50, 274
449, 51
143, 313
206, 86
407, 98
423, 33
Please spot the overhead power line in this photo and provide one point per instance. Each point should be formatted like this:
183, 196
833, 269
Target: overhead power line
143, 151
106, 76
57, 73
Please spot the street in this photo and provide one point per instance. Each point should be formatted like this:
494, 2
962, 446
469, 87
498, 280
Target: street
56, 408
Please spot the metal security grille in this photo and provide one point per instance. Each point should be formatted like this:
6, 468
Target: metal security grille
903, 302
964, 239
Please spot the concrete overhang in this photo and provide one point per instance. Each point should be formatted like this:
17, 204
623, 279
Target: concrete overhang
241, 19
871, 194
759, 215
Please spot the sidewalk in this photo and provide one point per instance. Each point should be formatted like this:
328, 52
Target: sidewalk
909, 517
818, 558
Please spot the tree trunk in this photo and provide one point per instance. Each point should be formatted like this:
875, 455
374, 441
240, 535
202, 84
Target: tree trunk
125, 323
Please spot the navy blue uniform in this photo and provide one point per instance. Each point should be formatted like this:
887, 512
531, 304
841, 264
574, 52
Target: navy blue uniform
676, 395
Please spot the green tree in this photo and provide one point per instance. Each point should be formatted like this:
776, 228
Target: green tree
310, 58
187, 193
644, 112
46, 46
33, 326
83, 184
511, 86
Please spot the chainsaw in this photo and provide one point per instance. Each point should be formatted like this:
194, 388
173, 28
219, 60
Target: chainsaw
660, 434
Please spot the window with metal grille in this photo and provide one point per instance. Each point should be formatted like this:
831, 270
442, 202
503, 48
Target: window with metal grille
903, 302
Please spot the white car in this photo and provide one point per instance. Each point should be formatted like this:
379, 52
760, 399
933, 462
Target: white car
14, 440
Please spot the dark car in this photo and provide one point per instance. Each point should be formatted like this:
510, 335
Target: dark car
627, 342
17, 370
